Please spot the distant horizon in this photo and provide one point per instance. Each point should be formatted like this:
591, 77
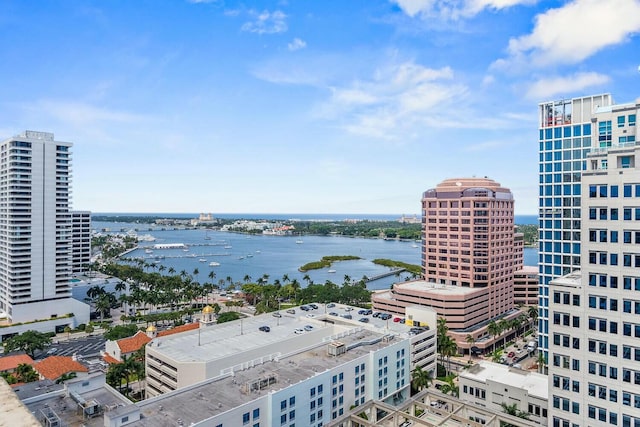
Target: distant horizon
518, 219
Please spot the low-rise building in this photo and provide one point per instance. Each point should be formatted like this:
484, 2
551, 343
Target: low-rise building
525, 286
55, 367
291, 369
491, 385
10, 363
118, 350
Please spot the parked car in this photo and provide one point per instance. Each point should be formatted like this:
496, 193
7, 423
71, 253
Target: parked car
308, 327
298, 331
276, 314
291, 311
347, 316
511, 354
264, 328
52, 350
304, 308
364, 320
313, 306
333, 313
396, 319
311, 315
331, 305
348, 308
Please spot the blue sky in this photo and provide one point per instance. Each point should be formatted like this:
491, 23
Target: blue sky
303, 106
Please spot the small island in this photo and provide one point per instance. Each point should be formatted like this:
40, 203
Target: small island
411, 268
326, 261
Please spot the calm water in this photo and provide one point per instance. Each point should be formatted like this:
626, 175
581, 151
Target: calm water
276, 255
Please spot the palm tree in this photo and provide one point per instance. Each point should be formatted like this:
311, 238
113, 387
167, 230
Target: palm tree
532, 311
496, 355
504, 327
420, 379
542, 362
471, 341
171, 270
450, 387
449, 348
514, 411
494, 330
247, 278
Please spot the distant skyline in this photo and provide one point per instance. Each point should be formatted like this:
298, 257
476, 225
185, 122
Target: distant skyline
307, 107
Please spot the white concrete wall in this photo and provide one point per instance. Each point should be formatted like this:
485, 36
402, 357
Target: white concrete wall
46, 309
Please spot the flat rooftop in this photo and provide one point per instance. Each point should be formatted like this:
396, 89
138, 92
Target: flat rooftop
232, 338
71, 413
534, 383
215, 396
430, 287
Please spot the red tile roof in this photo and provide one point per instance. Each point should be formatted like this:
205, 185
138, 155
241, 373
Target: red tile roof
9, 363
53, 367
110, 359
178, 329
134, 343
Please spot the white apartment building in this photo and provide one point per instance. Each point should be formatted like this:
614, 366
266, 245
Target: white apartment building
304, 371
35, 228
80, 241
490, 385
594, 315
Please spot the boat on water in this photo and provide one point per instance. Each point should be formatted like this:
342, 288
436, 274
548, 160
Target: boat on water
191, 255
148, 251
331, 271
299, 242
249, 256
214, 264
415, 246
202, 260
228, 247
241, 257
185, 250
258, 252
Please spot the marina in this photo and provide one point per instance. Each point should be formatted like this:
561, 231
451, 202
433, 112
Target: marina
254, 256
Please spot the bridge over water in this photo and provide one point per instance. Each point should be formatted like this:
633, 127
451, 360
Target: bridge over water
386, 274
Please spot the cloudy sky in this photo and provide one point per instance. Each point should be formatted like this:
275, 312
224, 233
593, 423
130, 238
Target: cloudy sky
303, 106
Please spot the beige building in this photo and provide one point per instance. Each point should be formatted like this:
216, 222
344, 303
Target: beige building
490, 385
469, 256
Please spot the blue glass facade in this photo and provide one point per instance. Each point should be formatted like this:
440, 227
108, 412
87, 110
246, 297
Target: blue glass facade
565, 138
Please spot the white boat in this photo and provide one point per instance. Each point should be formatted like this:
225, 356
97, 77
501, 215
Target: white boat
249, 256
185, 250
241, 257
414, 246
202, 260
228, 247
214, 264
148, 251
258, 252
331, 271
299, 242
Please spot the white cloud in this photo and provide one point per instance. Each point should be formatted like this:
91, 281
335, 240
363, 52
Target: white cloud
454, 9
550, 87
266, 22
297, 44
395, 100
575, 31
